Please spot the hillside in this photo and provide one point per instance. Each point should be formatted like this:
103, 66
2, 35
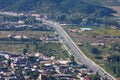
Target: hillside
71, 11
59, 6
104, 2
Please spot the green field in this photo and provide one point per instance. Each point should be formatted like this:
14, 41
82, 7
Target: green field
99, 54
29, 34
48, 49
103, 32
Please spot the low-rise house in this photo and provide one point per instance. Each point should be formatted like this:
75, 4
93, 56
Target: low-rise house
97, 44
14, 56
84, 70
64, 76
86, 29
63, 68
9, 77
86, 78
35, 15
3, 64
63, 62
17, 36
21, 22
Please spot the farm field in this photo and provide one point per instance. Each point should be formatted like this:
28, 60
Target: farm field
29, 34
48, 49
100, 44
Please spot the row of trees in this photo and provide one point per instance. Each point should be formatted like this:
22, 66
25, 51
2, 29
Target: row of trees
113, 68
92, 49
113, 58
113, 64
48, 49
115, 47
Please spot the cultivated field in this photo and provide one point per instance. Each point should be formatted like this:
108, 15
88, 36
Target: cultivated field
100, 45
29, 34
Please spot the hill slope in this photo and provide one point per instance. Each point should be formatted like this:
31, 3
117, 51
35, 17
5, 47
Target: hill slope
104, 2
53, 6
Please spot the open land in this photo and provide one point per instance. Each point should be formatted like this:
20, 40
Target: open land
98, 44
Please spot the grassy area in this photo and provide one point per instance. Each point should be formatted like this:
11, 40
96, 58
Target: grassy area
29, 34
108, 70
48, 49
102, 32
91, 56
15, 48
99, 54
54, 49
99, 62
2, 58
79, 26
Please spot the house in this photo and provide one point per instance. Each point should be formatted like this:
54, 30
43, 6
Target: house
6, 55
84, 70
14, 56
64, 62
9, 78
64, 76
97, 44
21, 22
86, 29
17, 36
3, 64
35, 15
86, 78
63, 68
40, 77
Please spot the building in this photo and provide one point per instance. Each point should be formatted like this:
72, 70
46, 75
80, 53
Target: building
86, 29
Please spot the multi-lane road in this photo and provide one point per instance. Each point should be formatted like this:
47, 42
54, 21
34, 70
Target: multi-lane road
76, 52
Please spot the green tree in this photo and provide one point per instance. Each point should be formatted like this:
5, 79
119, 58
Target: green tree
95, 51
41, 65
32, 59
25, 51
89, 47
27, 46
9, 62
34, 74
97, 76
72, 59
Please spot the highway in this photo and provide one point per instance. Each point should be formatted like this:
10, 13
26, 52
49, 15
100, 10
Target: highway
76, 52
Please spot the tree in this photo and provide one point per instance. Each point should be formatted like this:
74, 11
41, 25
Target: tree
34, 74
97, 76
72, 59
41, 65
113, 58
25, 51
89, 47
36, 46
32, 59
27, 46
105, 79
48, 78
9, 62
2, 58
95, 51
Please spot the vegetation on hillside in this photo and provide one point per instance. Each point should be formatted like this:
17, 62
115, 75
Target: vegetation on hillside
104, 2
55, 7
